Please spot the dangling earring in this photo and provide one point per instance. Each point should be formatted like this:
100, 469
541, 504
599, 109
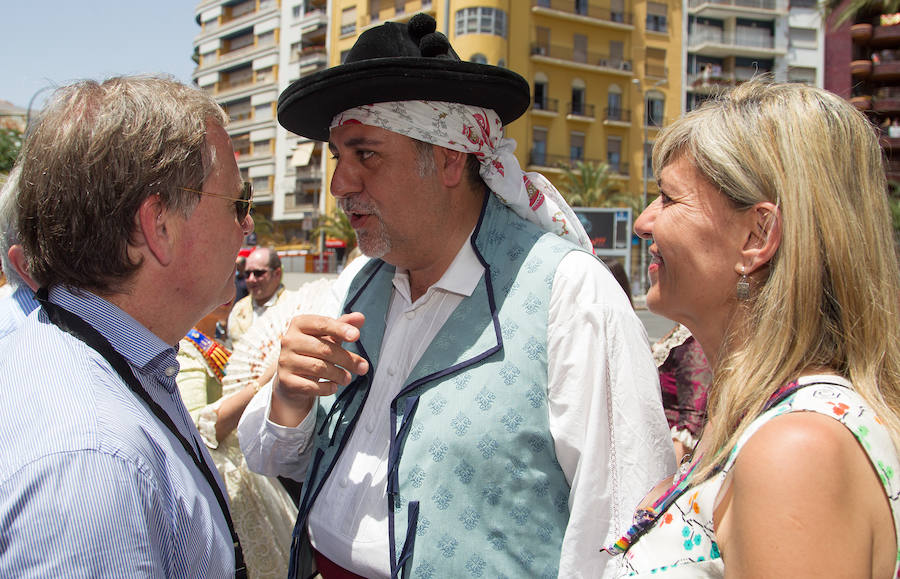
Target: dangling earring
743, 286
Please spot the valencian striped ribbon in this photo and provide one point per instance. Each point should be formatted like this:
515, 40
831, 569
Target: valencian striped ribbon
213, 352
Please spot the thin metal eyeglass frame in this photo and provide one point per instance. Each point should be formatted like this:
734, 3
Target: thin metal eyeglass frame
242, 205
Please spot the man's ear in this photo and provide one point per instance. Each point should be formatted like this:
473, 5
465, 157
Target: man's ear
764, 237
155, 229
451, 164
17, 260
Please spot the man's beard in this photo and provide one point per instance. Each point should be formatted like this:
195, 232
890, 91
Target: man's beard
374, 241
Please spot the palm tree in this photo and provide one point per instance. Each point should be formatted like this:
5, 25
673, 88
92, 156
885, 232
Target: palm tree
336, 225
264, 229
587, 184
857, 8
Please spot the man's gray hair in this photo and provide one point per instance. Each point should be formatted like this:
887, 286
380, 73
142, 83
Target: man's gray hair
9, 228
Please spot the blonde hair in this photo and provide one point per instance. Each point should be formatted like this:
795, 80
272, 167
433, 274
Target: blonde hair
830, 298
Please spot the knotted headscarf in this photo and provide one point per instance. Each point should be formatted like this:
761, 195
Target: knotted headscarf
478, 131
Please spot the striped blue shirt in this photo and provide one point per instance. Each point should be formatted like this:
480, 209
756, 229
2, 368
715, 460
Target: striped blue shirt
91, 483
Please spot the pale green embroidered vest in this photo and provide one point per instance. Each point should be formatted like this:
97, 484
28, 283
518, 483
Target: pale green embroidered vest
474, 488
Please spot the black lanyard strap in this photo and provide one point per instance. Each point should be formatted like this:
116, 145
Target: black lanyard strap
77, 327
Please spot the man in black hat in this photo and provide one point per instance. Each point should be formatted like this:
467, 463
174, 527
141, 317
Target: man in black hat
486, 405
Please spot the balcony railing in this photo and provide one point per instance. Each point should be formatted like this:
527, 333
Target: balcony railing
398, 11
617, 115
231, 84
779, 5
241, 11
560, 161
581, 110
311, 172
744, 38
244, 50
726, 77
581, 8
583, 57
657, 24
619, 168
656, 70
239, 115
547, 104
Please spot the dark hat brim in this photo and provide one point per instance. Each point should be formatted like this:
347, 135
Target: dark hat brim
308, 105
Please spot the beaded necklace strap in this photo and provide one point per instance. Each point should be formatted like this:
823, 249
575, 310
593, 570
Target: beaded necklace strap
644, 519
215, 354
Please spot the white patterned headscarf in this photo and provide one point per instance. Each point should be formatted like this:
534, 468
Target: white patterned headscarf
478, 131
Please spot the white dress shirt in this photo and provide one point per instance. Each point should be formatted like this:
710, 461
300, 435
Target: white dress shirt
606, 418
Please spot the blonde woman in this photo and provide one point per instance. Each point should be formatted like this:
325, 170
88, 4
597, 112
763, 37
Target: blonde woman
771, 242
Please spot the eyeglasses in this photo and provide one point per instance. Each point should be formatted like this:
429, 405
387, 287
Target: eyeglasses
242, 205
256, 272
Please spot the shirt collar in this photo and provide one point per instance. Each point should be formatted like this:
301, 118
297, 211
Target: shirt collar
141, 347
25, 298
273, 299
461, 277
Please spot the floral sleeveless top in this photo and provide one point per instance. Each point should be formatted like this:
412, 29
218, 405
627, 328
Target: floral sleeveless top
681, 541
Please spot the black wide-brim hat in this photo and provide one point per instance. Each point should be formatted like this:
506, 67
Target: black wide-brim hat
399, 62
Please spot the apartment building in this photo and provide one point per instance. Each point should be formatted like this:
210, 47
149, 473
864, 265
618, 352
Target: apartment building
863, 65
247, 52
731, 41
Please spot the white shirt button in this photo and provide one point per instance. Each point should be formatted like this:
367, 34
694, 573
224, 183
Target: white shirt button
170, 371
370, 427
391, 371
410, 315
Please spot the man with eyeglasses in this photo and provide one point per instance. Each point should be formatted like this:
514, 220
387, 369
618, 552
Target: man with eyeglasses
263, 275
131, 211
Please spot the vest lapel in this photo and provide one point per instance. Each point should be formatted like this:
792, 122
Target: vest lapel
471, 334
372, 296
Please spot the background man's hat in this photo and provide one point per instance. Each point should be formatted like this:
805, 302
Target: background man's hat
399, 62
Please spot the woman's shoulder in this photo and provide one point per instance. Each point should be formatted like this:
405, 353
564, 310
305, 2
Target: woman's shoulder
822, 424
799, 418
809, 461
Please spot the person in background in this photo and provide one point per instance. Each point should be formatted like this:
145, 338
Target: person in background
618, 270
262, 510
240, 278
263, 274
131, 211
771, 242
684, 379
16, 306
505, 414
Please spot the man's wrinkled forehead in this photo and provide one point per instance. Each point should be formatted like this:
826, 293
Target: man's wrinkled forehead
355, 135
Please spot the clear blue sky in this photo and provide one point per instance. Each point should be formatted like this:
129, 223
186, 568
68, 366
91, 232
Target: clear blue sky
51, 42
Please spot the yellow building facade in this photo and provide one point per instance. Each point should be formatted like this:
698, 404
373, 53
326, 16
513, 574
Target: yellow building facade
604, 74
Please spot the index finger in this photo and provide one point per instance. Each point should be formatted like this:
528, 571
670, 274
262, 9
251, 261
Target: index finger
339, 330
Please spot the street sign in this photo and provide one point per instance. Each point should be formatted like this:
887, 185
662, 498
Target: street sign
608, 228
